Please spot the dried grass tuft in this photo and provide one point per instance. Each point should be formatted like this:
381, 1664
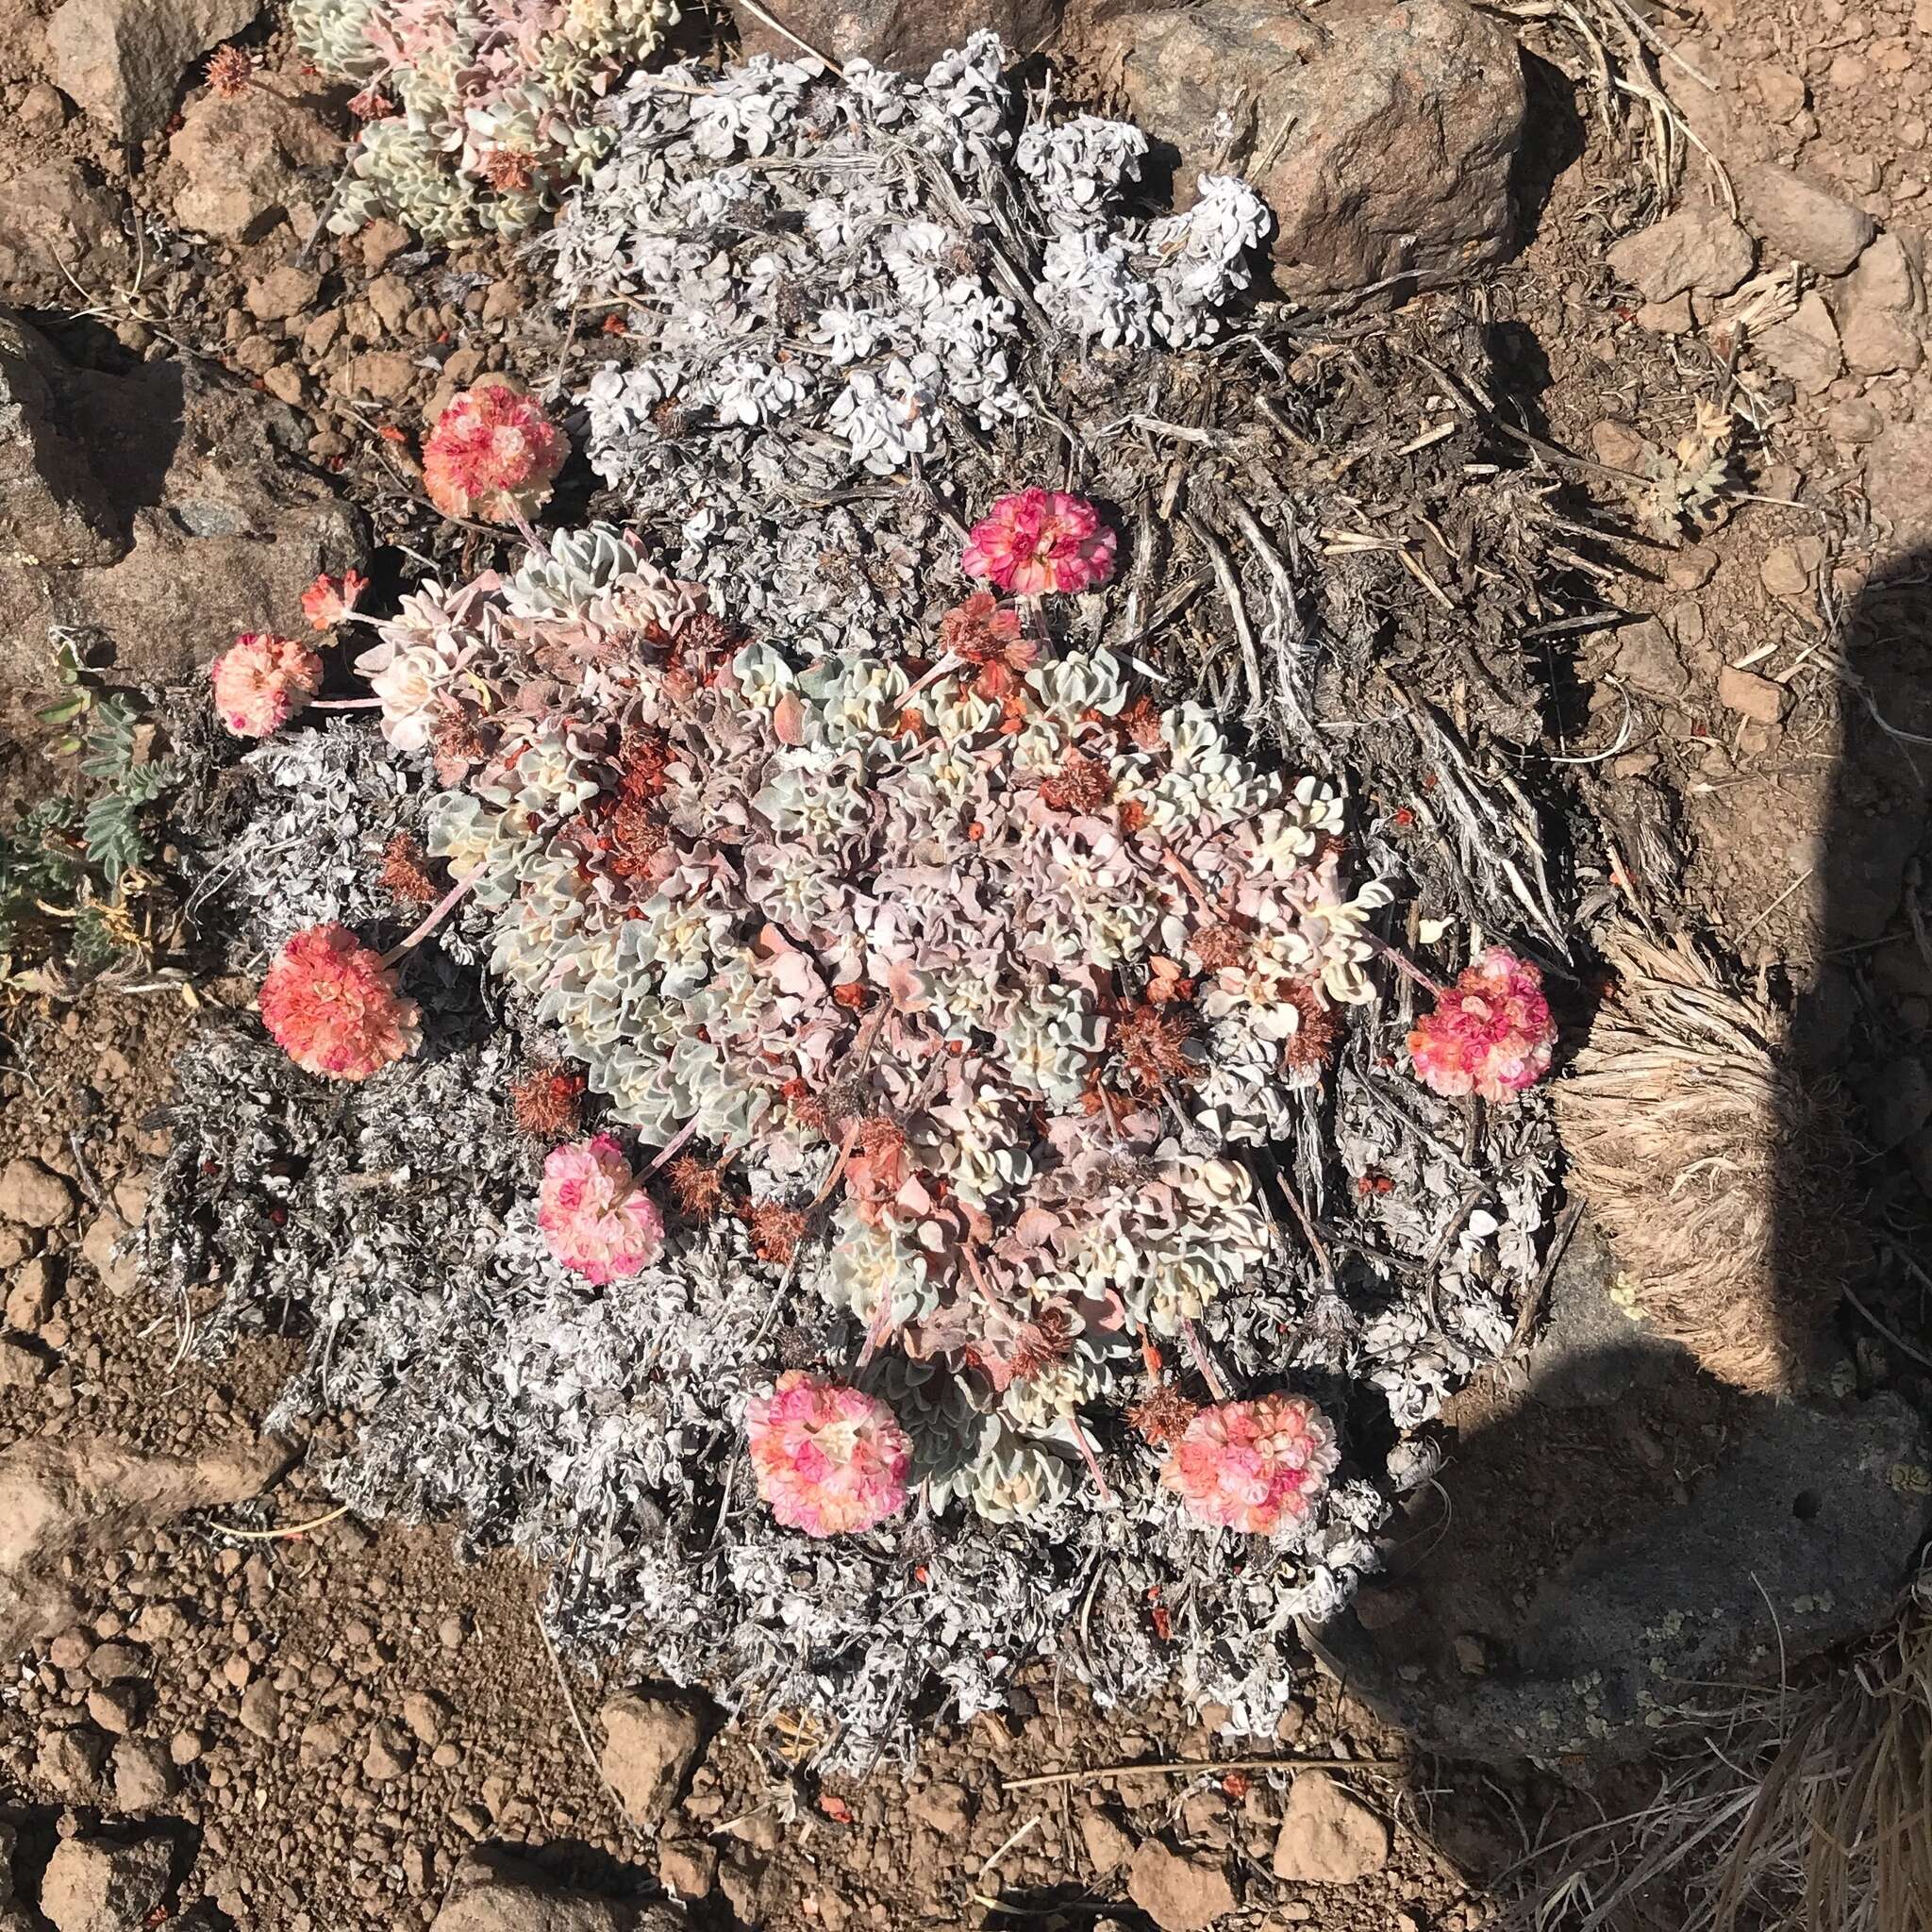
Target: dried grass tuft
1714, 1163
1811, 1812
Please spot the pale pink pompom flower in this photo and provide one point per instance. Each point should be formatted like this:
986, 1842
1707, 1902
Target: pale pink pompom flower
263, 680
493, 454
331, 1005
829, 1458
595, 1212
1254, 1466
1040, 541
1491, 1032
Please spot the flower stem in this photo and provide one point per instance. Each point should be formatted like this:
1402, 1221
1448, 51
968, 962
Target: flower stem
438, 913
1405, 965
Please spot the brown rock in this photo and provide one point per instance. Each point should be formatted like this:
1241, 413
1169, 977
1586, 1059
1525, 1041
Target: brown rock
387, 1755
652, 1741
69, 1762
52, 506
99, 1248
1879, 343
121, 61
144, 1779
1782, 573
223, 515
282, 293
1179, 1894
382, 242
907, 34
944, 1807
1381, 134
384, 374
1898, 481
501, 1894
21, 1365
1751, 696
35, 1293
30, 1197
1805, 346
261, 1710
243, 162
1329, 1836
1801, 220
102, 1884
1108, 1847
65, 1500
116, 1707
688, 1868
1697, 251
51, 215
425, 1713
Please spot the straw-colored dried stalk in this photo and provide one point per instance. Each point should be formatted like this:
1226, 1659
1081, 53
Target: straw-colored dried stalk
1810, 1811
1715, 1164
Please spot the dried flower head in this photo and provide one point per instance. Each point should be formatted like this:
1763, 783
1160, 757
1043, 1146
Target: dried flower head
1253, 1466
595, 1212
1162, 1415
263, 680
697, 1186
1040, 540
229, 72
829, 1459
494, 454
370, 104
775, 1232
980, 633
331, 1005
547, 1102
1154, 1043
1491, 1032
403, 875
329, 600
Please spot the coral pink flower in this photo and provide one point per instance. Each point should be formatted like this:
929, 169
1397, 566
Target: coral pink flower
1254, 1466
594, 1213
1491, 1032
332, 1005
828, 1459
328, 600
1038, 540
263, 680
492, 455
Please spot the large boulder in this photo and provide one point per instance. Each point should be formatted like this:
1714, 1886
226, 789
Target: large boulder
121, 61
214, 522
249, 160
59, 234
52, 506
909, 35
1381, 132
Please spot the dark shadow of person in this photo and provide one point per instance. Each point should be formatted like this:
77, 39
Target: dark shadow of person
1621, 1535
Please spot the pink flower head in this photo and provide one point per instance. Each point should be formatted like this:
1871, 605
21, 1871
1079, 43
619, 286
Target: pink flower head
1254, 1466
263, 680
594, 1213
492, 454
1038, 540
328, 600
828, 1459
1491, 1032
332, 1005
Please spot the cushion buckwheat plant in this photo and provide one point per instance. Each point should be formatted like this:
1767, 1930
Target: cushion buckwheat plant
990, 973
914, 1156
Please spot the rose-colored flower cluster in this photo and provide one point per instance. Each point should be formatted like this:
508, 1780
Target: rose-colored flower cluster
329, 601
261, 681
1253, 1466
332, 1005
1037, 542
494, 454
829, 1459
1490, 1034
594, 1213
